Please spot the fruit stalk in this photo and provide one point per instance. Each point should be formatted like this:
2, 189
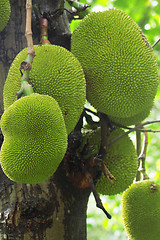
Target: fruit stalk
26, 88
142, 156
138, 149
44, 31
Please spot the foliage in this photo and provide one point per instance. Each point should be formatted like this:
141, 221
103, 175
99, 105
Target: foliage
146, 13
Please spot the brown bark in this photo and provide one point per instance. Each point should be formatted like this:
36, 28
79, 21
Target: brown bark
54, 209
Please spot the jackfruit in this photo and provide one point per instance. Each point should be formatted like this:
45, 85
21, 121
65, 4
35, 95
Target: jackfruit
141, 210
55, 72
5, 11
121, 160
35, 139
119, 64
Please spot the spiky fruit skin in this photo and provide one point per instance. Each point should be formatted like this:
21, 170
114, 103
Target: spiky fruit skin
5, 11
121, 161
141, 210
35, 139
134, 119
55, 72
119, 64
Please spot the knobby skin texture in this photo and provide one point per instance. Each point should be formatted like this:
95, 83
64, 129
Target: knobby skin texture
55, 72
5, 11
35, 139
119, 65
141, 210
121, 161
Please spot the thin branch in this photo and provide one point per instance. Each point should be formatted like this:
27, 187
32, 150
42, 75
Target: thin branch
142, 156
97, 199
145, 145
155, 43
28, 33
138, 149
137, 130
104, 169
133, 129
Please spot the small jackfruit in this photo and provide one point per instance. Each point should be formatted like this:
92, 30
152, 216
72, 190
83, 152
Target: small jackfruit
5, 11
35, 139
121, 161
119, 64
141, 210
55, 72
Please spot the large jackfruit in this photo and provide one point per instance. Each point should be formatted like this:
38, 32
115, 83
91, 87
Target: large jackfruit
121, 161
35, 139
5, 11
119, 64
141, 210
55, 72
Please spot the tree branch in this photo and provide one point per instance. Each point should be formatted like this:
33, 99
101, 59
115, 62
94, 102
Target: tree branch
133, 129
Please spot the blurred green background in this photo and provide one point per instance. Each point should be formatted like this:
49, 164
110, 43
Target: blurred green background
146, 13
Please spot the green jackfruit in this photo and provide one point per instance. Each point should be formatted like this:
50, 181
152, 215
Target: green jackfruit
119, 64
121, 161
5, 11
35, 139
141, 210
55, 72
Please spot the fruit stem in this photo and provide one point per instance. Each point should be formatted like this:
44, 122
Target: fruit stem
26, 89
142, 156
104, 135
138, 149
105, 124
44, 32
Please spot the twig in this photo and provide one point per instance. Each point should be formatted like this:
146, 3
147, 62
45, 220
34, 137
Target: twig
142, 156
137, 130
28, 33
138, 149
98, 200
133, 129
104, 169
155, 43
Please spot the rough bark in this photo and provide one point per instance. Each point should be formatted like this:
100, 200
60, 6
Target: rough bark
54, 209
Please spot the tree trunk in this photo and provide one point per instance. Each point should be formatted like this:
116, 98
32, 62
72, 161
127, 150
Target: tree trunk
54, 209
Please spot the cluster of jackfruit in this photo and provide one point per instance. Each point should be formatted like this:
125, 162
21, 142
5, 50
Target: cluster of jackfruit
119, 64
121, 160
141, 210
36, 127
55, 72
5, 11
